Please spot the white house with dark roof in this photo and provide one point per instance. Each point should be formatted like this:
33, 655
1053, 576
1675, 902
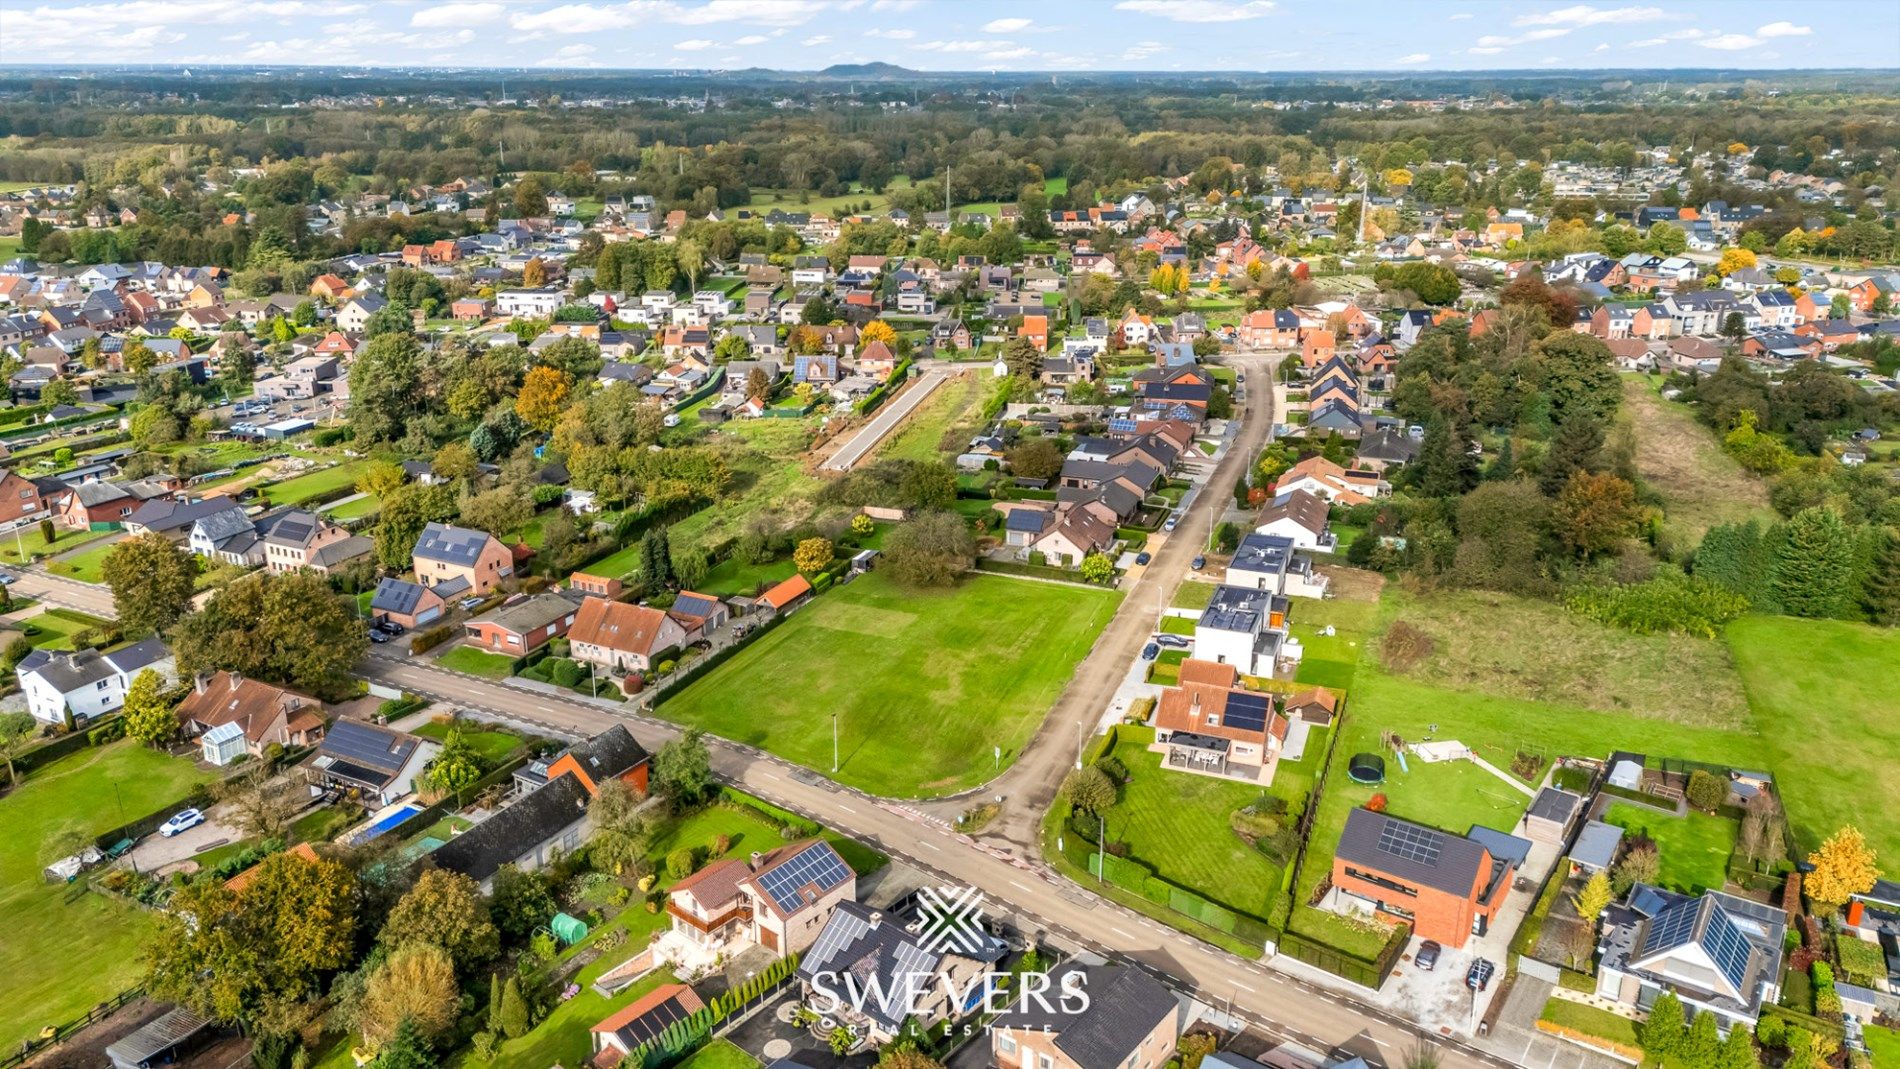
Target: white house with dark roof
779, 900
1717, 952
1246, 628
86, 683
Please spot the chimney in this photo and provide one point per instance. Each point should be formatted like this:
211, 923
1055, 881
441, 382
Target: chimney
756, 858
237, 679
198, 682
1194, 705
877, 918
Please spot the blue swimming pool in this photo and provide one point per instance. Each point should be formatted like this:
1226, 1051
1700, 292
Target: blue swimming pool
388, 821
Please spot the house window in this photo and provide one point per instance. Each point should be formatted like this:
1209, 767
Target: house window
1005, 1043
1381, 881
1043, 1061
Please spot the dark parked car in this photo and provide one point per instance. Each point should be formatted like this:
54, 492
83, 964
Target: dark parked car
377, 636
1150, 652
1142, 558
1427, 957
1199, 563
390, 627
1479, 977
1179, 642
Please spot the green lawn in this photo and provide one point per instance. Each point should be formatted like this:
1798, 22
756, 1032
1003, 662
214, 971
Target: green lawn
719, 1054
491, 745
56, 627
924, 683
296, 491
1822, 695
477, 662
1591, 1021
27, 540
87, 567
621, 562
1176, 823
67, 949
1331, 660
1884, 1045
1695, 847
350, 510
1193, 595
733, 577
921, 435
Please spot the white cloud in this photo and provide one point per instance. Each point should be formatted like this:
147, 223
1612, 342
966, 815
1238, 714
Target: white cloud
1496, 41
893, 5
1784, 29
1144, 50
892, 35
815, 40
581, 55
752, 39
1729, 42
1666, 38
1005, 25
759, 12
958, 46
1586, 15
449, 15
570, 18
1199, 10
1416, 57
1601, 48
696, 44
1460, 16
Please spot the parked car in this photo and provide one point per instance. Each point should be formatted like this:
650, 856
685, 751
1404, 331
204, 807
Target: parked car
1172, 520
377, 636
1479, 976
468, 604
1427, 956
6, 578
390, 627
1150, 652
1199, 563
1142, 558
1179, 642
181, 821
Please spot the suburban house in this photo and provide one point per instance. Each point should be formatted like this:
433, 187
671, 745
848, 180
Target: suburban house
550, 819
226, 536
1300, 517
1448, 887
1131, 1022
20, 499
520, 626
174, 518
402, 602
297, 539
86, 683
1717, 952
1329, 482
699, 614
267, 715
779, 900
905, 975
622, 637
379, 763
1270, 562
458, 561
640, 1022
1246, 628
1211, 725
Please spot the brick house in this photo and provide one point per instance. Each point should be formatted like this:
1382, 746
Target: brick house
1131, 1022
1448, 887
459, 561
778, 900
622, 637
266, 714
20, 499
517, 628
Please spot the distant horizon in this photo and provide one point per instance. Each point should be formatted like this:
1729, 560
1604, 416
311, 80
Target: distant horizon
1366, 74
1172, 37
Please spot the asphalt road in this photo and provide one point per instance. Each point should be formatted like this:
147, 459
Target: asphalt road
61, 591
886, 420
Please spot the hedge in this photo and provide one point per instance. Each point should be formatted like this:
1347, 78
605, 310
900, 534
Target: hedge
712, 660
198, 798
46, 753
876, 397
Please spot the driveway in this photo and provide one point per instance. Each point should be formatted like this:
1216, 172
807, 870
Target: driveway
157, 854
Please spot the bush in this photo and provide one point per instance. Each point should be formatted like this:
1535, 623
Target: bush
1669, 603
1405, 645
112, 732
433, 637
1861, 960
680, 863
566, 673
1771, 1031
1706, 791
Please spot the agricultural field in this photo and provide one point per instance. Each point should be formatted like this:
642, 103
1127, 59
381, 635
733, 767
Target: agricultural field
52, 976
924, 684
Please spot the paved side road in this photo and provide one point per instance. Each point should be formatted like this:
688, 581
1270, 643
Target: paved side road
66, 593
886, 420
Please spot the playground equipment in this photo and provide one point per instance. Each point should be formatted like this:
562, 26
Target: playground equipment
1366, 768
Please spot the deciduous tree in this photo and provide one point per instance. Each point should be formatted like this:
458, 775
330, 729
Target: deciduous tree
1035, 458
1844, 866
416, 986
152, 580
813, 555
929, 549
288, 628
542, 399
148, 716
1089, 789
444, 910
682, 770
1596, 512
1098, 568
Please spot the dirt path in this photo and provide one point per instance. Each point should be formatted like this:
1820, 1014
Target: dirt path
1700, 484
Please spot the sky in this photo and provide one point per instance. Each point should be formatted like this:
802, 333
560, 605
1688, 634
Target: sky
969, 35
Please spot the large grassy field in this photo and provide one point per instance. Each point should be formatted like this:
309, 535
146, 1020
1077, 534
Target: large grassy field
1694, 848
1512, 647
1825, 700
766, 457
297, 490
65, 948
1683, 461
924, 683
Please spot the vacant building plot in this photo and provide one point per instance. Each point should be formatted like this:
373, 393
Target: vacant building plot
1682, 460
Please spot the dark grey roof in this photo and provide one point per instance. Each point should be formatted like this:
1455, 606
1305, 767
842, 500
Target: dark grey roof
224, 526
376, 749
1263, 553
1236, 608
446, 542
397, 595
515, 831
1125, 1004
889, 962
1028, 521
696, 606
1596, 845
171, 514
1554, 804
529, 614
609, 754
293, 528
1411, 853
175, 1026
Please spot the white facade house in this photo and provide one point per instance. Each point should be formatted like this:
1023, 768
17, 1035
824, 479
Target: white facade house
529, 302
1247, 629
1269, 562
86, 683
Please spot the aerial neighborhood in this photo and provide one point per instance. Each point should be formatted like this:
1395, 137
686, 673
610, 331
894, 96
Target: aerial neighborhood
739, 569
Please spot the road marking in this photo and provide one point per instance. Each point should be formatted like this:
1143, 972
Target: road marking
1119, 932
1245, 988
927, 844
845, 807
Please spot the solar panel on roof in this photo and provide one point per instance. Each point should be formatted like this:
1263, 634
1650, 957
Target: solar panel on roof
786, 882
1249, 712
1726, 946
1410, 842
1671, 928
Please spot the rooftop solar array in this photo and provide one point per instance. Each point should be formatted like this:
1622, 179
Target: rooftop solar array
1410, 842
1726, 946
1248, 711
817, 867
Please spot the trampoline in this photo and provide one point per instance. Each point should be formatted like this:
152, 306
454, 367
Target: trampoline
1367, 768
